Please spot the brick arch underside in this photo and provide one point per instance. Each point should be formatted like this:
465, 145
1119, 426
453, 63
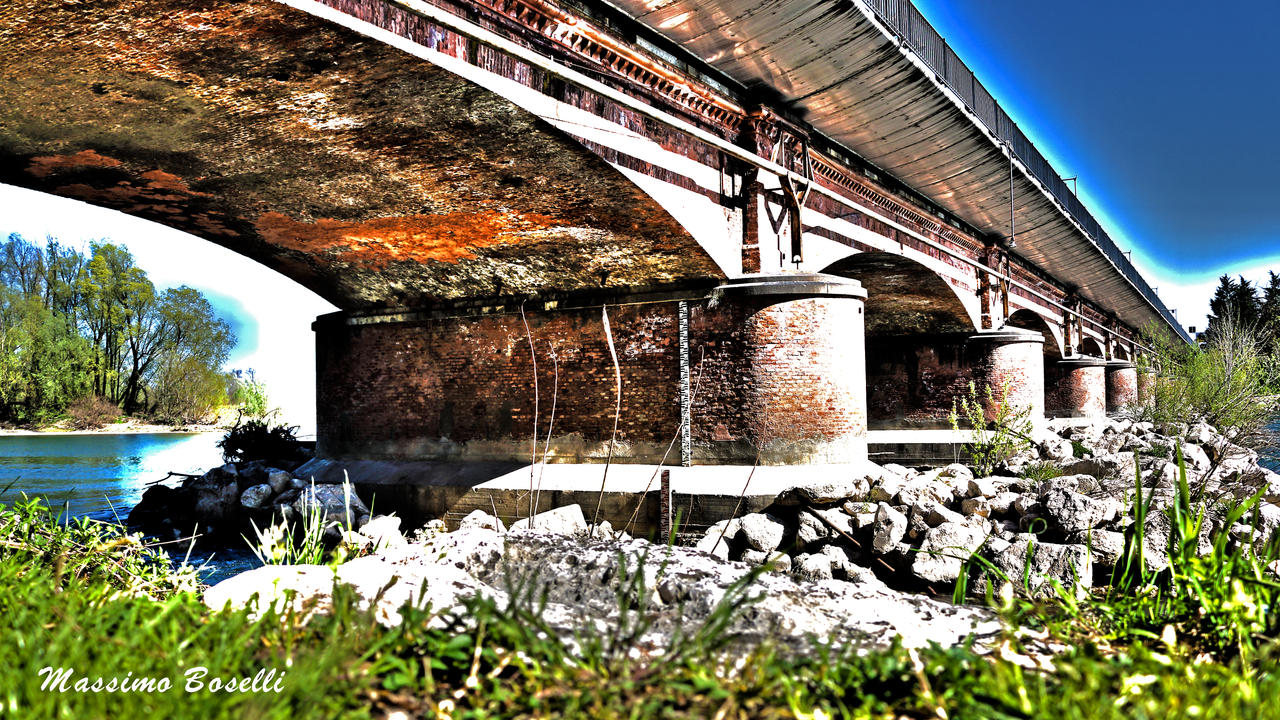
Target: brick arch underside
904, 297
372, 177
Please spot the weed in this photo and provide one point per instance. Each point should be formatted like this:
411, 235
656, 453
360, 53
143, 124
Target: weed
991, 443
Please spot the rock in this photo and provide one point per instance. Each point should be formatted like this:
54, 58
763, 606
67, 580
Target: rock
925, 489
956, 471
718, 537
1057, 450
886, 490
481, 519
255, 497
982, 487
566, 520
831, 486
1002, 503
1196, 458
761, 531
1159, 473
836, 520
810, 530
216, 504
1201, 434
1035, 570
976, 506
270, 586
936, 514
1117, 466
889, 528
1026, 505
812, 567
335, 504
1105, 546
1070, 511
945, 550
279, 480
383, 531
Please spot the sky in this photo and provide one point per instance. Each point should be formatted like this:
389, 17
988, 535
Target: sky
1164, 111
1167, 111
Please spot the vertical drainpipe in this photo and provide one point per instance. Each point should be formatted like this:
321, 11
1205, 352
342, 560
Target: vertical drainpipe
686, 430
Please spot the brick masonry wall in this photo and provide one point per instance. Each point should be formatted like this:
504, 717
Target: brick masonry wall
913, 381
778, 379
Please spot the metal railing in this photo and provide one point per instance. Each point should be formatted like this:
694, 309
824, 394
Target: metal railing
914, 30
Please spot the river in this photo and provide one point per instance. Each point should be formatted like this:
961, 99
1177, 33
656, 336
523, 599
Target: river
102, 476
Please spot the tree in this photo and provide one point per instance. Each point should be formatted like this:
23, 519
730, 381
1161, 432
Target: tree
188, 382
1235, 300
74, 326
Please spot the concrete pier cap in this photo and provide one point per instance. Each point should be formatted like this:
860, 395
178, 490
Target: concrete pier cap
1011, 361
1122, 385
1081, 390
805, 394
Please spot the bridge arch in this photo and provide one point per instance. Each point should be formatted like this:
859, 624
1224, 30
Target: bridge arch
905, 297
1030, 320
1091, 347
918, 357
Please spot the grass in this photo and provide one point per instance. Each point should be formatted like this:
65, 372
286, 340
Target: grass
1194, 641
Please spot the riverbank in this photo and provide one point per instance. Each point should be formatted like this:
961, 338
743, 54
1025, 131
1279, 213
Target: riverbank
845, 598
129, 427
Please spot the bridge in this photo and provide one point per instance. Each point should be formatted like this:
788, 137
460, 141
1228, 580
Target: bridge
705, 233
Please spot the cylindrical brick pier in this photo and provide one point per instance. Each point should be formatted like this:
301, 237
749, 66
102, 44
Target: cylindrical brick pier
1122, 385
1080, 388
797, 385
1011, 361
1146, 386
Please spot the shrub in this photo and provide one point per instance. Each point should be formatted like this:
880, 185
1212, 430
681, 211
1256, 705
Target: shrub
991, 443
92, 412
1041, 471
251, 440
1226, 383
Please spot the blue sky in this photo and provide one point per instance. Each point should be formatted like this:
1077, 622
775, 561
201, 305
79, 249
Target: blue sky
1167, 112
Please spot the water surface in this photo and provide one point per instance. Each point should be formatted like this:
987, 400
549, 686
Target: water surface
103, 476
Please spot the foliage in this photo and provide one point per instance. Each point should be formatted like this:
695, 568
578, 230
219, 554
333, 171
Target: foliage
1041, 470
1226, 383
75, 325
249, 394
65, 606
92, 412
250, 440
1227, 598
1080, 450
1007, 433
42, 362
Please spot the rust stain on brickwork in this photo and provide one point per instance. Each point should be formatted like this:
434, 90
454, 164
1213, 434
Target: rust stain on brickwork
375, 244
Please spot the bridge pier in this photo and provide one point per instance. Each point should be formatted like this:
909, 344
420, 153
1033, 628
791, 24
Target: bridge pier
1011, 360
1122, 385
1146, 386
776, 365
1079, 388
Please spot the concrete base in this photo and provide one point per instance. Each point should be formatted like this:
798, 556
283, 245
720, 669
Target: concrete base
916, 447
418, 491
